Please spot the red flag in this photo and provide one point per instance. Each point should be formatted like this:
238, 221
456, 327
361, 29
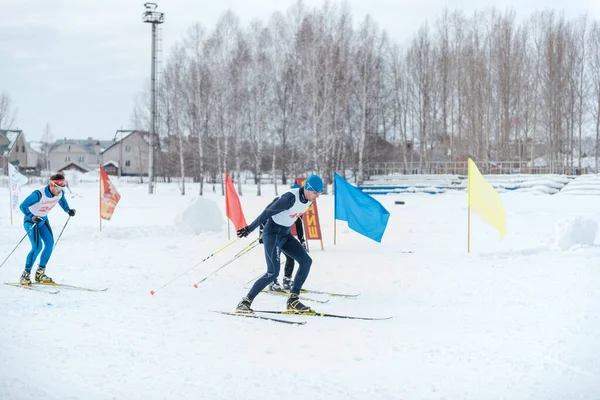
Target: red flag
232, 203
109, 197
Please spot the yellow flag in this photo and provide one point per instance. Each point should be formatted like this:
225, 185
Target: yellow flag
485, 201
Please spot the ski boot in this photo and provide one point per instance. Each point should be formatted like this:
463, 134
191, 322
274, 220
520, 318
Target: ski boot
244, 306
287, 283
275, 286
41, 277
293, 304
25, 280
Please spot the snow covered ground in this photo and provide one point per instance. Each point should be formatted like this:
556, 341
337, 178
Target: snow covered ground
516, 319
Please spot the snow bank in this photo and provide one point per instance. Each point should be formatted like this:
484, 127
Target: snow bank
584, 184
202, 215
574, 232
437, 184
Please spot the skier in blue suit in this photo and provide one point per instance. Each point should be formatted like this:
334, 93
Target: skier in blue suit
277, 220
36, 208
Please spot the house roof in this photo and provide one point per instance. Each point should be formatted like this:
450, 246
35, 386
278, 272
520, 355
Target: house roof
81, 166
85, 144
111, 162
143, 134
12, 136
36, 146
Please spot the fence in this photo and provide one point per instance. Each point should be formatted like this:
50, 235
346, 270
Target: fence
460, 168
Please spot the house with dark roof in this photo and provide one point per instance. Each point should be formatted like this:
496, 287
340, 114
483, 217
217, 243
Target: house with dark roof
80, 154
12, 148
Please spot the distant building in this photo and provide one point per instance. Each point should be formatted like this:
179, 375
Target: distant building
36, 157
82, 155
128, 156
12, 148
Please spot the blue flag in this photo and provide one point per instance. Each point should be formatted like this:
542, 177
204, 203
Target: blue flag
364, 214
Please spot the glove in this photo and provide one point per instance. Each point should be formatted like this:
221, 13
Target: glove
303, 243
260, 239
242, 233
36, 220
71, 212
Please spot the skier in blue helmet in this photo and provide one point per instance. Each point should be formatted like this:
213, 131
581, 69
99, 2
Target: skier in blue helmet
277, 220
286, 283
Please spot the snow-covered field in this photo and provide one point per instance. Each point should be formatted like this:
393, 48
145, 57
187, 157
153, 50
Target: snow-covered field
516, 319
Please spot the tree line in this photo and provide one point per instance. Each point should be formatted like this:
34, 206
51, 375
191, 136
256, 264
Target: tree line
306, 91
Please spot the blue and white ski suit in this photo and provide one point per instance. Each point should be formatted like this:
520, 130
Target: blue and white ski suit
39, 203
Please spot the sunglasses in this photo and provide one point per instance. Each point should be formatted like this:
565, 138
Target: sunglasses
61, 184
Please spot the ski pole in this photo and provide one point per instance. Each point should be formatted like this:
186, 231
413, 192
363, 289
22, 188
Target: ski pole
241, 253
61, 232
218, 251
246, 248
20, 241
152, 292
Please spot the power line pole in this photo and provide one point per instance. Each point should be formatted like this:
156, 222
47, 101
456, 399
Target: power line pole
153, 17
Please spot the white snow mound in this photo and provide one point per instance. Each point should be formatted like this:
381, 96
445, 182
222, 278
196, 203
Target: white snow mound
202, 215
575, 231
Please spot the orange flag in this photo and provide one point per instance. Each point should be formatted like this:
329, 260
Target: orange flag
232, 204
109, 197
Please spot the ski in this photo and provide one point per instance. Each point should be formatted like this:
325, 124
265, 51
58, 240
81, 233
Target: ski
73, 287
35, 289
319, 314
333, 294
283, 321
286, 293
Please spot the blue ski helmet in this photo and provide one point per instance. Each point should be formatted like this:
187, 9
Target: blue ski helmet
314, 183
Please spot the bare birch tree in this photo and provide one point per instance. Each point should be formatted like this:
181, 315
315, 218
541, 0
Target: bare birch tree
594, 74
8, 113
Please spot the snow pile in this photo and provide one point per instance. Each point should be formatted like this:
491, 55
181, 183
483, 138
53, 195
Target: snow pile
574, 232
437, 184
584, 184
202, 215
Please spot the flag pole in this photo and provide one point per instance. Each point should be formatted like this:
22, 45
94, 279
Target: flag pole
227, 208
469, 231
10, 196
334, 220
100, 201
468, 209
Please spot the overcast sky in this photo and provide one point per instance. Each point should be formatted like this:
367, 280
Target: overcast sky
78, 64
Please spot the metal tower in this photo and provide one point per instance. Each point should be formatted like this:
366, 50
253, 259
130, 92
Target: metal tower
153, 17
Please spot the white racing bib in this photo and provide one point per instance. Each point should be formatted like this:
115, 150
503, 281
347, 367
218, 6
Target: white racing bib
288, 217
43, 207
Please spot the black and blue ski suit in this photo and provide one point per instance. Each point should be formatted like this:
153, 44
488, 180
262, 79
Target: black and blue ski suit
277, 238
